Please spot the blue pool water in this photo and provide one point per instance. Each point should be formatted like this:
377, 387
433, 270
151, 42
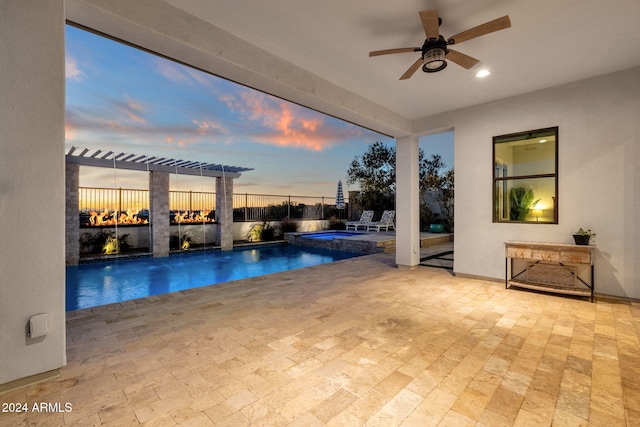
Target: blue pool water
93, 284
330, 235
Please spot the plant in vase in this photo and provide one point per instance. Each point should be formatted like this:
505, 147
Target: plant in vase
582, 236
522, 201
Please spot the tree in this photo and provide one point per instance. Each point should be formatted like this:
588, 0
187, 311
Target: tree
375, 172
440, 181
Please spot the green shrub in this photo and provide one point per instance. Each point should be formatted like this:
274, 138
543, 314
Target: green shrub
262, 232
176, 243
336, 224
104, 242
289, 225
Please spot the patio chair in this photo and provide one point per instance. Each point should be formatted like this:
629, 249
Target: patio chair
364, 220
385, 223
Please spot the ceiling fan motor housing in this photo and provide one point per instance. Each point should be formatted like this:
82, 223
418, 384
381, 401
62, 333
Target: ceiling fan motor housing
433, 55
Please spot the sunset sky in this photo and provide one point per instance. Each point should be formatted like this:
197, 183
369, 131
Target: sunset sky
123, 99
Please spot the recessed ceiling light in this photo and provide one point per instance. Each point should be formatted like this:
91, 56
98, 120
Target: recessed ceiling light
483, 73
542, 141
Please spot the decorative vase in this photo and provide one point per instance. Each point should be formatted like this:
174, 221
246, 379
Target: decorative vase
581, 239
436, 228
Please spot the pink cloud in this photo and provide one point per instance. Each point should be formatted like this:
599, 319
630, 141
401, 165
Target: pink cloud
72, 72
286, 124
184, 137
132, 109
124, 111
69, 132
208, 127
180, 142
125, 120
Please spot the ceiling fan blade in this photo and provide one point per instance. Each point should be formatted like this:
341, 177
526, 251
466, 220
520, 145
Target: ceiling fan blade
430, 23
398, 50
461, 59
481, 30
412, 69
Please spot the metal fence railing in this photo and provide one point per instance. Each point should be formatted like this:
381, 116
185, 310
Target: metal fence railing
260, 207
108, 206
192, 206
100, 206
192, 201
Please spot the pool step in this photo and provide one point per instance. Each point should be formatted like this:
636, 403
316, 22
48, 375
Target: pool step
367, 243
436, 239
387, 246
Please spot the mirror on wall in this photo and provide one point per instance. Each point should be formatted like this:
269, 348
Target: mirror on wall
525, 177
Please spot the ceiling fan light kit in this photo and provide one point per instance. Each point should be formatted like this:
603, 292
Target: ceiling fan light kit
433, 55
434, 51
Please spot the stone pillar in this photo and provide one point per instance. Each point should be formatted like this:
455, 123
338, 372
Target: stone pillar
159, 213
407, 203
72, 219
224, 213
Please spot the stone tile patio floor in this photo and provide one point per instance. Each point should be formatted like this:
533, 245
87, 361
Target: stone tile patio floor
356, 342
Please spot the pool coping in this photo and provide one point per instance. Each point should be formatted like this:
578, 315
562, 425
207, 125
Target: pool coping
364, 242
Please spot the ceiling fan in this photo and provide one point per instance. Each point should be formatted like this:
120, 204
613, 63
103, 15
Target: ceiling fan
434, 51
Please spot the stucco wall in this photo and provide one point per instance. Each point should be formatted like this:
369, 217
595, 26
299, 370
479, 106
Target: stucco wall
31, 179
599, 178
241, 229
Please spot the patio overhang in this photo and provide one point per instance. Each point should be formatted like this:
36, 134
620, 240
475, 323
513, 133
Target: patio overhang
128, 161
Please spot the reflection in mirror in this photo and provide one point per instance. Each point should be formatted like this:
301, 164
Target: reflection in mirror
525, 167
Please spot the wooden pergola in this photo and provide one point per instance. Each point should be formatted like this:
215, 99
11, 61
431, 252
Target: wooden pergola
159, 168
109, 159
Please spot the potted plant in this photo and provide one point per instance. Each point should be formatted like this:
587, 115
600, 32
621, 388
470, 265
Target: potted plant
522, 201
582, 236
436, 228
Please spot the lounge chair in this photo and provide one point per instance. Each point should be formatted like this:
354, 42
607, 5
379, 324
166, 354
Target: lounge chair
365, 219
385, 223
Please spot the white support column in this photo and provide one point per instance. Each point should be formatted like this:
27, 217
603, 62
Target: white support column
407, 203
32, 264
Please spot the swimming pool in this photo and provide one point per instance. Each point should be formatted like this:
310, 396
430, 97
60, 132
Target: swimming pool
94, 284
329, 235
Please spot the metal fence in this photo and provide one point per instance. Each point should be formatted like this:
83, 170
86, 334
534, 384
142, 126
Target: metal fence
106, 206
192, 207
260, 207
192, 201
102, 204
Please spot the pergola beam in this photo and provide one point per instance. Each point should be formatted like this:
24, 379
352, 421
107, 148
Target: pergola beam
144, 163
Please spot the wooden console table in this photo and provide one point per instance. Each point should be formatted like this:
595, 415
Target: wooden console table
550, 267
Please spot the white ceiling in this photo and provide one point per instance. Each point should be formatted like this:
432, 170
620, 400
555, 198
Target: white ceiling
550, 42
